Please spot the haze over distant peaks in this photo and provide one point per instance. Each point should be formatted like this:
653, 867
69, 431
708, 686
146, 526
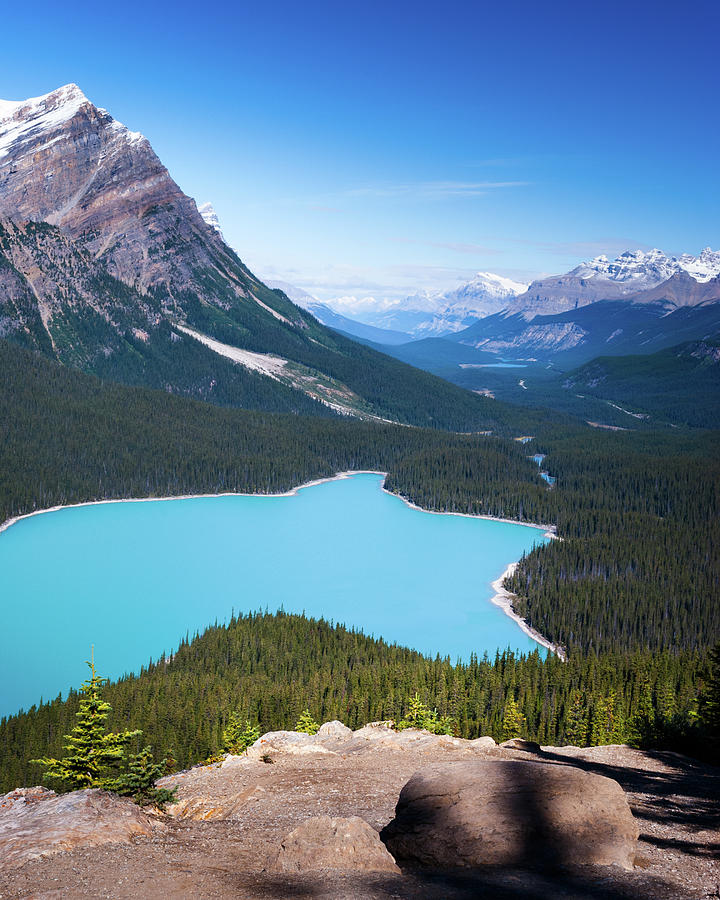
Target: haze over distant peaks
432, 313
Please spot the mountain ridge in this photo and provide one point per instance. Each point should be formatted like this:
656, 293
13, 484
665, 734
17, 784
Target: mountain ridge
68, 165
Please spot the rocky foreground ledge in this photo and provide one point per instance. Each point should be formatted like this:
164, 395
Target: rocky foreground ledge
379, 813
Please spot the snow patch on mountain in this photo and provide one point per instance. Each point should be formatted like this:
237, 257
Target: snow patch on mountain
23, 120
640, 270
207, 211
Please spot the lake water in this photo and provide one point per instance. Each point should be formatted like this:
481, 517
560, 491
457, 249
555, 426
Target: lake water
134, 578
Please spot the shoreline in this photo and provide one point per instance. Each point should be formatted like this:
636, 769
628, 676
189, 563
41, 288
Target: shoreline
501, 599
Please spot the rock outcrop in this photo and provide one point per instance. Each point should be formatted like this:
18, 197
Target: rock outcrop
347, 845
334, 738
511, 812
334, 729
293, 742
37, 822
521, 744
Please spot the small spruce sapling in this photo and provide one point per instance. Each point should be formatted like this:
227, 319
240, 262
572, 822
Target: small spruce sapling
513, 720
139, 781
239, 734
307, 724
421, 716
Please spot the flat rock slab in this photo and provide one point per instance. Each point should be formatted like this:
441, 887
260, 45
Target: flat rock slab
36, 822
511, 812
347, 845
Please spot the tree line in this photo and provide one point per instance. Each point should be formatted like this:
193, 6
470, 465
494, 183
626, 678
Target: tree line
278, 670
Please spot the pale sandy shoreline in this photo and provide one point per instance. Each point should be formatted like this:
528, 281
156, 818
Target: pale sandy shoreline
502, 598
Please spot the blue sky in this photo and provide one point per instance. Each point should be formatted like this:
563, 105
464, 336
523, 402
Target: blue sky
378, 148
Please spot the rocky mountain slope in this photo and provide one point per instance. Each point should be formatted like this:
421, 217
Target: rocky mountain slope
126, 258
223, 836
625, 277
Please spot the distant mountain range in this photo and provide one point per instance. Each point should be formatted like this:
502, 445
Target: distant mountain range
626, 277
106, 265
635, 277
424, 314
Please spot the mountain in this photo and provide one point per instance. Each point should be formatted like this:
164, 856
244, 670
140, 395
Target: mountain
210, 217
430, 314
114, 270
323, 313
680, 384
680, 308
603, 328
601, 279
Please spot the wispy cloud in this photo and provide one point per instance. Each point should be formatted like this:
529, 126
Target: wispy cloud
434, 189
374, 285
456, 246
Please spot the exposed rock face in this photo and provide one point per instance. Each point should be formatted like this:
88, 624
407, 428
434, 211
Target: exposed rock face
497, 812
104, 184
348, 845
335, 738
334, 729
293, 742
69, 163
48, 284
203, 809
483, 743
36, 822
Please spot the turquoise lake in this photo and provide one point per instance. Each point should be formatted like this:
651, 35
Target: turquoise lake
134, 578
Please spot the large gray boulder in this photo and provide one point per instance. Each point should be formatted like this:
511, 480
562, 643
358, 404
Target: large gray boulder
347, 845
511, 812
37, 822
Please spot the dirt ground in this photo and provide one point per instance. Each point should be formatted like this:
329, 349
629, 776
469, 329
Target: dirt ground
252, 806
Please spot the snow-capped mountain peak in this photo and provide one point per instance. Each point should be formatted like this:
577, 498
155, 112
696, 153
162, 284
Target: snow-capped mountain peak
631, 273
21, 119
207, 211
24, 121
646, 269
432, 313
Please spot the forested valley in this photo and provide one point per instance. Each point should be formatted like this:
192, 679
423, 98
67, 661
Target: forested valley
630, 589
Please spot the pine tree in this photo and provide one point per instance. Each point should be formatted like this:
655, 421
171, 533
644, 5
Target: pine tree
93, 755
307, 724
710, 700
139, 781
513, 720
577, 724
239, 734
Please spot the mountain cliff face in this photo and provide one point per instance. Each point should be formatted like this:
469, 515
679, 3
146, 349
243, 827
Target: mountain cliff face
69, 163
105, 264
